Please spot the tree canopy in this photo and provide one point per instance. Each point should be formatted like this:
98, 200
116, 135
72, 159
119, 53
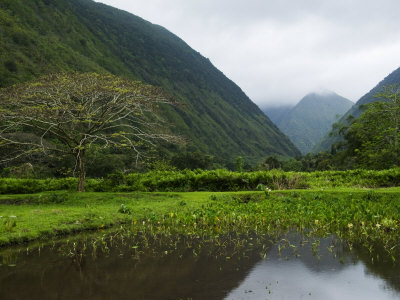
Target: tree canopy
373, 138
68, 113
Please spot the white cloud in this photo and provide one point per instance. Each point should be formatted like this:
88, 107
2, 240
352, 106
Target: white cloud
279, 50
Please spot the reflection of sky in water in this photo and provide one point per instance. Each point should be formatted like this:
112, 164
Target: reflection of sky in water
292, 279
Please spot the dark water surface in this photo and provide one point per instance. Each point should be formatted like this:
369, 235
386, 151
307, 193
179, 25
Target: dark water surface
227, 267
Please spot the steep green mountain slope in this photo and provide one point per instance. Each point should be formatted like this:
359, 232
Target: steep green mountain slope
307, 122
326, 142
44, 36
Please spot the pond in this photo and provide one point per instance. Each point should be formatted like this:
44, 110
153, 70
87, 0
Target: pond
140, 266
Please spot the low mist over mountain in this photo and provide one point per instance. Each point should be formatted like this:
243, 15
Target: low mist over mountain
47, 36
276, 113
392, 79
307, 122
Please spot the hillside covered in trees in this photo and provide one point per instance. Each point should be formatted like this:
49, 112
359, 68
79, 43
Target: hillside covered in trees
214, 115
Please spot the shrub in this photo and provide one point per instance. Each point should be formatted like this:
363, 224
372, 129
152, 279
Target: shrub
215, 180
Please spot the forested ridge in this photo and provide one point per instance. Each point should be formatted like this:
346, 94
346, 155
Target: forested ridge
356, 110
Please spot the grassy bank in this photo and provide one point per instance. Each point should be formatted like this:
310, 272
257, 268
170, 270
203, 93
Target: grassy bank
46, 215
366, 217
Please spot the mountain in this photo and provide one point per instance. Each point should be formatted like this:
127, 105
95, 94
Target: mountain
276, 113
326, 142
46, 36
307, 122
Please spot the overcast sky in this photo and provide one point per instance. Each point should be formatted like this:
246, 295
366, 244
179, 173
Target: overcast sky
277, 51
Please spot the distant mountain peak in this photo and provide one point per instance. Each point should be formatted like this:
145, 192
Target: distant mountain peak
321, 92
311, 118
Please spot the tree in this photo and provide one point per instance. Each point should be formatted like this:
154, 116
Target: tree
373, 138
239, 164
292, 165
65, 114
272, 162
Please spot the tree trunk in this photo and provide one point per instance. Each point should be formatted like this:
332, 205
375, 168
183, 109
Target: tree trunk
81, 171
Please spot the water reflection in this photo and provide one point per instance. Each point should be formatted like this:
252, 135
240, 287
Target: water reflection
230, 267
332, 273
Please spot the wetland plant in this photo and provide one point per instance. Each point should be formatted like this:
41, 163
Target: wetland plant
9, 222
123, 209
265, 189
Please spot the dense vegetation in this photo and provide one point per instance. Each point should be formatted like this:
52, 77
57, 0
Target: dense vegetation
217, 118
307, 122
216, 180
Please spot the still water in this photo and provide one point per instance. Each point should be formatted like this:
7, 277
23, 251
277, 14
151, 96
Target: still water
227, 267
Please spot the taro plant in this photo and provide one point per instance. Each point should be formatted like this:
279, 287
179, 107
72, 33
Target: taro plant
123, 209
9, 222
265, 189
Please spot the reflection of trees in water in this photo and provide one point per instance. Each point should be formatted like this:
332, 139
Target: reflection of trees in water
380, 264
